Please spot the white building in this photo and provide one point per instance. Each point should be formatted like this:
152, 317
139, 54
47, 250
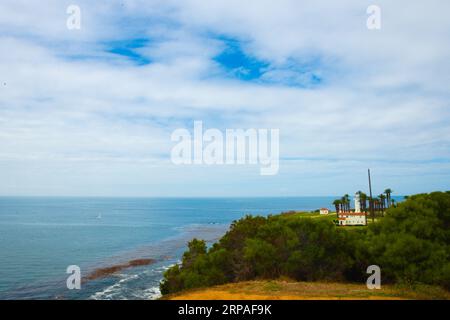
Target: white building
324, 211
356, 218
352, 219
357, 203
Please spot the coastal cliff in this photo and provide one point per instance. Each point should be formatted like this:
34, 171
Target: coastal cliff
410, 244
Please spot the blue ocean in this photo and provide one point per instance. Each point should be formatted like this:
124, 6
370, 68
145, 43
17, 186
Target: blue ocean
40, 237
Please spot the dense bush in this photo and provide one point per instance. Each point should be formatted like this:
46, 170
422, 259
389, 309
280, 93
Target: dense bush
411, 244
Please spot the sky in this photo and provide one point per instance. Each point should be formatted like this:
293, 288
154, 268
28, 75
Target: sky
90, 112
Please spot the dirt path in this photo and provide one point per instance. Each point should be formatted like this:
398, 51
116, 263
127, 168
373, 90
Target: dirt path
285, 290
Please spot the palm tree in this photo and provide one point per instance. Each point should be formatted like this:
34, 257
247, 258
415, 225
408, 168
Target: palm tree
372, 208
363, 199
337, 205
388, 196
347, 202
382, 203
376, 204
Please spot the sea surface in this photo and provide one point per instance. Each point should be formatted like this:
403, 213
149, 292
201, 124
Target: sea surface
41, 236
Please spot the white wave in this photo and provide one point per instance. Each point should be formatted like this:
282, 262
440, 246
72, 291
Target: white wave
151, 293
128, 278
114, 290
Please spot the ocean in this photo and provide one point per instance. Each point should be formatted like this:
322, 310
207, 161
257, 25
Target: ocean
41, 236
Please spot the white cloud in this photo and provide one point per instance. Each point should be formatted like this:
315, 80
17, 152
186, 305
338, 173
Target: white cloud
66, 102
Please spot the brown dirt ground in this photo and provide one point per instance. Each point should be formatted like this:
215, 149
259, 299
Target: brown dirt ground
289, 290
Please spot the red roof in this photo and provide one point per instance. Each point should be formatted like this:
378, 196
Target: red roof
352, 214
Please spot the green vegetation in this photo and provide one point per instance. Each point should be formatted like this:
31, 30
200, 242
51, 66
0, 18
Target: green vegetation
411, 244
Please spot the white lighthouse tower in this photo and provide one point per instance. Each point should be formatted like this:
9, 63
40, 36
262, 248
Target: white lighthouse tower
357, 203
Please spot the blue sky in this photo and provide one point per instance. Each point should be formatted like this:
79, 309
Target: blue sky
90, 112
129, 49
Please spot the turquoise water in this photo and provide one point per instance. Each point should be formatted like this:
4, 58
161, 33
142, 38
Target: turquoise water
40, 237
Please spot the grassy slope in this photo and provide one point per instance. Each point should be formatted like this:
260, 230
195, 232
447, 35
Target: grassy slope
288, 290
311, 215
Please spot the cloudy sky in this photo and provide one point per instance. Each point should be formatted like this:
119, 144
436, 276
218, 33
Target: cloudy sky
90, 112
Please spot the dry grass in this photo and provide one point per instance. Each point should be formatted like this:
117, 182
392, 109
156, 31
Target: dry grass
289, 290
